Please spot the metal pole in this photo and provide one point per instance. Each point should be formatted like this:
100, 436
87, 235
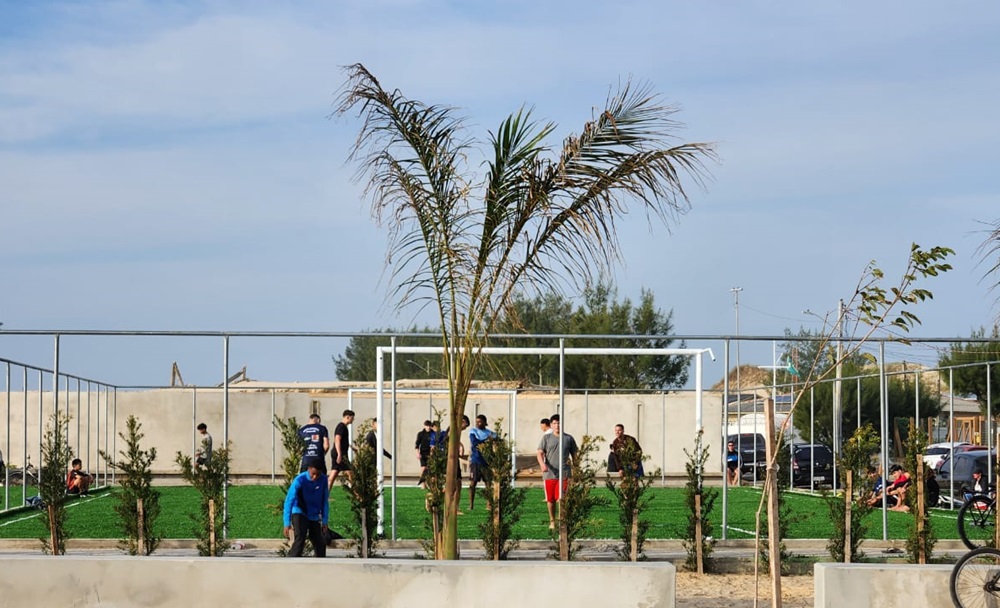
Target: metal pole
55, 392
24, 438
379, 404
884, 416
812, 439
562, 421
273, 463
77, 417
114, 435
989, 417
725, 434
41, 418
194, 420
951, 436
378, 439
90, 430
6, 449
838, 405
225, 433
512, 425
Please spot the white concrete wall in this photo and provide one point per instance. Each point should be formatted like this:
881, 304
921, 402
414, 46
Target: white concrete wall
162, 582
663, 424
882, 585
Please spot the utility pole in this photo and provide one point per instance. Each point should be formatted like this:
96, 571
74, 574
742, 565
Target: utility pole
739, 386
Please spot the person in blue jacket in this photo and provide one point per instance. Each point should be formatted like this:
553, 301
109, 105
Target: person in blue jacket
307, 509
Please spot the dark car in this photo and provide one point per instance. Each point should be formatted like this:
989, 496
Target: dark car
959, 466
812, 464
753, 455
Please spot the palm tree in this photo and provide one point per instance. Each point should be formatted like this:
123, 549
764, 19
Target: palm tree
990, 248
536, 219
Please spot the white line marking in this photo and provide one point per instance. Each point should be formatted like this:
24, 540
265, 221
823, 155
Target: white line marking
33, 515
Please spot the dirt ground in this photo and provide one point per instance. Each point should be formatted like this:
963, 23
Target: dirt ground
737, 591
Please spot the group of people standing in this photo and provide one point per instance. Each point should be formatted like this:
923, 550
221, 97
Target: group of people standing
306, 509
431, 438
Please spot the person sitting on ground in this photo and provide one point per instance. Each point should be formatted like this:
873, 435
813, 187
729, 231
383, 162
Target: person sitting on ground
77, 481
978, 482
732, 464
878, 485
932, 491
896, 493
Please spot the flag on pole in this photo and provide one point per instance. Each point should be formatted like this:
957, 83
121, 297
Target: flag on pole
791, 368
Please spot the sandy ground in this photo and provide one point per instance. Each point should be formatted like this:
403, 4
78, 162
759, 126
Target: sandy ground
737, 591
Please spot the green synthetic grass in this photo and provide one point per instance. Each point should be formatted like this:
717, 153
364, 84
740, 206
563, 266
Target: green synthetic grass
250, 515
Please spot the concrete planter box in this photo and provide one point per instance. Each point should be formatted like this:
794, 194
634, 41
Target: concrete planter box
118, 581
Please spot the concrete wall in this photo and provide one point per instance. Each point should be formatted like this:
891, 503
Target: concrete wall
882, 585
663, 424
156, 582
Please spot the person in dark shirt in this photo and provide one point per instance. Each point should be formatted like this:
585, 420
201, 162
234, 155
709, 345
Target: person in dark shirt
371, 439
425, 440
732, 464
932, 491
317, 442
626, 453
340, 455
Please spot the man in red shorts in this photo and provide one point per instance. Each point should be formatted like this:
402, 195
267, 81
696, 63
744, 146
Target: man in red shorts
548, 457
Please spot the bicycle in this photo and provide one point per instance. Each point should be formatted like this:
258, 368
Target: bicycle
17, 475
975, 579
977, 519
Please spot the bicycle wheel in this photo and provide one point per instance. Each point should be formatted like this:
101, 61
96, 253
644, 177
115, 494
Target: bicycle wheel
975, 580
977, 522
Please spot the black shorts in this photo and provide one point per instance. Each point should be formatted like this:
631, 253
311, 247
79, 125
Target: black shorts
476, 472
343, 465
423, 459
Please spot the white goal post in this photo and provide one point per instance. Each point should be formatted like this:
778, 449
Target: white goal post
560, 351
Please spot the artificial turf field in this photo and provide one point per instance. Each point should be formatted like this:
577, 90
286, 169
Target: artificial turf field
251, 517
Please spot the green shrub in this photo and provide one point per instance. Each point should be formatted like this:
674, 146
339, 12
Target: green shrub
56, 458
855, 457
363, 491
920, 539
210, 481
136, 480
632, 496
504, 502
694, 488
577, 505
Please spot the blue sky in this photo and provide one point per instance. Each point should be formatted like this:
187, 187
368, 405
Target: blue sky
174, 166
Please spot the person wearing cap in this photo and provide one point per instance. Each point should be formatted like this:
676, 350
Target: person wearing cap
307, 509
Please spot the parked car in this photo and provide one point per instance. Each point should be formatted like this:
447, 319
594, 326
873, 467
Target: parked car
935, 452
959, 467
965, 447
812, 464
753, 455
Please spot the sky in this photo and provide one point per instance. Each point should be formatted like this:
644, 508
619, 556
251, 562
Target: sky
175, 166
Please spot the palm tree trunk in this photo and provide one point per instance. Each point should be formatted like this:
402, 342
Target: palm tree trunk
453, 481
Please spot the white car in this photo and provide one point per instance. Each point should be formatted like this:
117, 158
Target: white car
936, 452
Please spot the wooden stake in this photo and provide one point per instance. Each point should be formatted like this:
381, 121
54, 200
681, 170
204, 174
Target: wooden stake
364, 533
563, 532
496, 520
53, 533
771, 481
211, 527
921, 505
699, 555
848, 504
141, 549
